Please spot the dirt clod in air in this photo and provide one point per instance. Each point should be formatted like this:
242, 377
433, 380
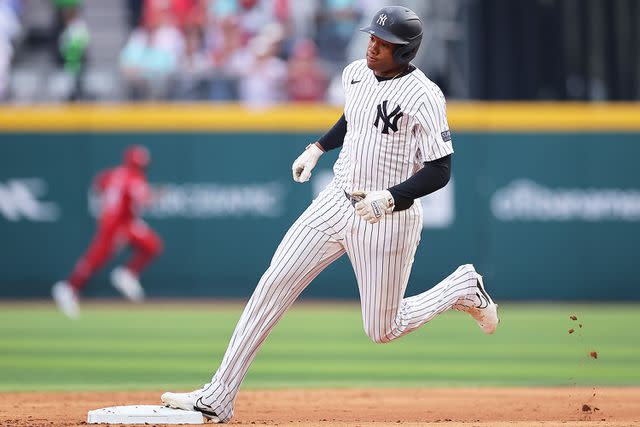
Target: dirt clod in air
586, 408
573, 317
571, 330
594, 354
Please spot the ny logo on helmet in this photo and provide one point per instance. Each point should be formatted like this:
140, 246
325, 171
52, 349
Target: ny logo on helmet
390, 120
382, 19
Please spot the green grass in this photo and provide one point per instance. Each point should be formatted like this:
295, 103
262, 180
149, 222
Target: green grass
180, 346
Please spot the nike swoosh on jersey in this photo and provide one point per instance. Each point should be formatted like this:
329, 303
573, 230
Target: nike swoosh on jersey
355, 81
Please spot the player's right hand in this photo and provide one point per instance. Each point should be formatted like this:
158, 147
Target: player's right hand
305, 163
373, 205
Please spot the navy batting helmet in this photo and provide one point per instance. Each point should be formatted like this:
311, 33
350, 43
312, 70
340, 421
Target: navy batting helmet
400, 26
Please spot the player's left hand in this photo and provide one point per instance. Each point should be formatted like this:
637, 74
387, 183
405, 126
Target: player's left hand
374, 205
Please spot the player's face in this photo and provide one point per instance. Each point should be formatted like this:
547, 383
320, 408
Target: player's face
380, 57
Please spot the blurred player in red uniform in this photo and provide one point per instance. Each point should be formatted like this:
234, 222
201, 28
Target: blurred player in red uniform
123, 192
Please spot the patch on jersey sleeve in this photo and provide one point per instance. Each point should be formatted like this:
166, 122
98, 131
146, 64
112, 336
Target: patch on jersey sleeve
446, 135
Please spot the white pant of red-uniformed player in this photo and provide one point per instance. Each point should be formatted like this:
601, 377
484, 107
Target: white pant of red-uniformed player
381, 255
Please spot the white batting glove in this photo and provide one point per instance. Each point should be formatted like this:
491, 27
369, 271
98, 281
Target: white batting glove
374, 205
305, 163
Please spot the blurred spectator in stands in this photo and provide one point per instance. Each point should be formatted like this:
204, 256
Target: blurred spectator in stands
262, 73
195, 68
337, 22
197, 15
302, 18
15, 5
72, 45
233, 25
150, 58
135, 13
180, 10
9, 31
253, 15
226, 43
307, 77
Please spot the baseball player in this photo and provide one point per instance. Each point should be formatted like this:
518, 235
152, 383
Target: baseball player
123, 192
396, 148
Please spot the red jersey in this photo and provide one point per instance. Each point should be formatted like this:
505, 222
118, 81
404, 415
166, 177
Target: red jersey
123, 192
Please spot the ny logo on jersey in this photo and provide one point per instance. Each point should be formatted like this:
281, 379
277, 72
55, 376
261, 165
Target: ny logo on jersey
382, 19
390, 120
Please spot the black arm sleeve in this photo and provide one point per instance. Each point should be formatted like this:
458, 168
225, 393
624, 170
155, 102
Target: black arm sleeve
335, 137
432, 177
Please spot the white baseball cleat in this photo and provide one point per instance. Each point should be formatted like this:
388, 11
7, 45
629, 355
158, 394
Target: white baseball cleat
66, 299
187, 401
127, 283
486, 313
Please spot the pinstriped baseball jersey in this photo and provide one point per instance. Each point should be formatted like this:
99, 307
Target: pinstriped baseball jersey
394, 126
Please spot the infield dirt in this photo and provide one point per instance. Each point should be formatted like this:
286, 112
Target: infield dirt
362, 407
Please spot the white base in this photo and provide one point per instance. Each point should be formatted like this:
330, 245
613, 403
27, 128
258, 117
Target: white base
143, 414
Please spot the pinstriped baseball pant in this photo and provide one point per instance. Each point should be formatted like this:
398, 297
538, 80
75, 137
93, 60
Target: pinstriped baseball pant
381, 254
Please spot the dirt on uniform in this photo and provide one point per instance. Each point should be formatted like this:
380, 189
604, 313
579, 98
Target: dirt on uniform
362, 407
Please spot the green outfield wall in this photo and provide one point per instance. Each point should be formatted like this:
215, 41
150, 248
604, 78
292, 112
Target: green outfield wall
544, 212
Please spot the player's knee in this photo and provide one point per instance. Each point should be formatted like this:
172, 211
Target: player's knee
157, 247
381, 340
277, 280
153, 245
466, 268
378, 336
